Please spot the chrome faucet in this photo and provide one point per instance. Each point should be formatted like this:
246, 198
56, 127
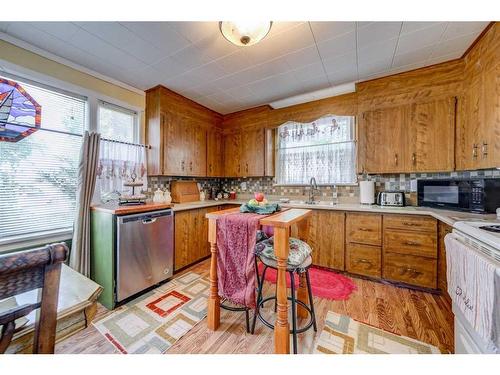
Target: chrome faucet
313, 187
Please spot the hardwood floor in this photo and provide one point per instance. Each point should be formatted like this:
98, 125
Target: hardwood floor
422, 316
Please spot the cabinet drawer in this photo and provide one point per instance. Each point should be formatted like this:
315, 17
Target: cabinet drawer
413, 222
364, 228
411, 243
410, 269
364, 259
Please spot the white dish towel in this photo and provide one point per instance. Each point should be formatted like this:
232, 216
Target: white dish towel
471, 285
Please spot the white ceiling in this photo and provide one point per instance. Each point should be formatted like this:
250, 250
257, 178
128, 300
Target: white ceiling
194, 59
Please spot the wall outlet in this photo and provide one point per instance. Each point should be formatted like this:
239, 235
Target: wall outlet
413, 186
243, 186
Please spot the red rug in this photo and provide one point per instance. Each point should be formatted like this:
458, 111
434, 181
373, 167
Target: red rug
324, 283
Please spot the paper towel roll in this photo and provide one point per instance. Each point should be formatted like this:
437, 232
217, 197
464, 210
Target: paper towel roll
367, 192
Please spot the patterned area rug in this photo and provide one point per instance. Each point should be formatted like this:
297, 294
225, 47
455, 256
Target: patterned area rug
153, 322
343, 335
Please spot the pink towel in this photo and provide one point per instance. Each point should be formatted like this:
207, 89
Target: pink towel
236, 236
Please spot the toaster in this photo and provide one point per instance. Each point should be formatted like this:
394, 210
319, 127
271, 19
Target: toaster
391, 198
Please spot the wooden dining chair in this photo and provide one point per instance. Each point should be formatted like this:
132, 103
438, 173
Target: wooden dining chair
24, 271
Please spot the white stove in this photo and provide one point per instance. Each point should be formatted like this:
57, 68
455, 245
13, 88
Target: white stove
484, 232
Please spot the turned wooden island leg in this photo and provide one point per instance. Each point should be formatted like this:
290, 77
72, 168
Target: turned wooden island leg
213, 307
281, 326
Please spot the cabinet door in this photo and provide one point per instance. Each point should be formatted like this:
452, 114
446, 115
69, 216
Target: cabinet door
197, 151
182, 234
432, 136
381, 132
232, 155
174, 145
214, 154
253, 152
489, 147
326, 238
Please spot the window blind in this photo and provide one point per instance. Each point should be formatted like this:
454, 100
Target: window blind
324, 149
38, 174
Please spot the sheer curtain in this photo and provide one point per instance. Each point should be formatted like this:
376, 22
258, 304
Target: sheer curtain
117, 164
324, 149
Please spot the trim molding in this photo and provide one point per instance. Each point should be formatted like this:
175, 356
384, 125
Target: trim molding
61, 60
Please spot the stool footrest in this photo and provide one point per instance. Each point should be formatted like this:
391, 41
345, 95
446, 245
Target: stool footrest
269, 325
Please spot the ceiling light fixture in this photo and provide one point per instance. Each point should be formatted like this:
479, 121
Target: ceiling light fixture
244, 33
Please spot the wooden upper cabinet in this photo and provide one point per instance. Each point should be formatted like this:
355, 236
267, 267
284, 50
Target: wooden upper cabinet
232, 154
215, 153
382, 144
245, 153
176, 129
489, 145
431, 142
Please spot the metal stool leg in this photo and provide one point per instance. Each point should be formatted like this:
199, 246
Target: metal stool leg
311, 302
294, 313
247, 319
259, 297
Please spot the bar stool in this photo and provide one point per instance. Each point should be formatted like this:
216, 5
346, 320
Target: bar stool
302, 268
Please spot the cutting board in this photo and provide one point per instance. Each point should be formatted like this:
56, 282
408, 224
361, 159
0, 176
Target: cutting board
184, 191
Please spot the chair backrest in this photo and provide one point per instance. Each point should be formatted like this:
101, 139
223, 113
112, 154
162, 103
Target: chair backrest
24, 271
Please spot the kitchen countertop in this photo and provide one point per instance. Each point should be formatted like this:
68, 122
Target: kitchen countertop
446, 216
115, 209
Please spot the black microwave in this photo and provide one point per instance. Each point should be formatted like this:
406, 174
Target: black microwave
480, 195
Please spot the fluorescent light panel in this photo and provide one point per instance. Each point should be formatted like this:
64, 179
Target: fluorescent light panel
315, 95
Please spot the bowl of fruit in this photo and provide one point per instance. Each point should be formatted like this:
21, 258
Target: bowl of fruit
259, 205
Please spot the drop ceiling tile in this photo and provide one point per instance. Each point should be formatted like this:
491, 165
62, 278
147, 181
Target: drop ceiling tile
168, 68
195, 31
234, 62
456, 29
240, 92
315, 83
439, 58
4, 26
412, 26
342, 62
377, 51
328, 30
377, 32
280, 27
303, 57
337, 46
190, 57
372, 67
215, 47
62, 30
92, 44
349, 74
293, 39
420, 38
143, 78
457, 44
412, 57
160, 34
206, 73
206, 89
115, 34
311, 70
180, 82
227, 82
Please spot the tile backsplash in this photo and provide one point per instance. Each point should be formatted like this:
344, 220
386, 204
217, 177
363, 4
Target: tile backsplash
342, 193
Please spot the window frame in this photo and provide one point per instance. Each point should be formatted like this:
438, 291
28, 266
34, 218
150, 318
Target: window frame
356, 151
92, 98
119, 108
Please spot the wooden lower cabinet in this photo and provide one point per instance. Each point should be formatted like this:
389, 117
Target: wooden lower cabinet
410, 269
364, 259
443, 230
191, 236
326, 238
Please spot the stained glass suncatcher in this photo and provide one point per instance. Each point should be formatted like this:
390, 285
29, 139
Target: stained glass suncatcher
17, 108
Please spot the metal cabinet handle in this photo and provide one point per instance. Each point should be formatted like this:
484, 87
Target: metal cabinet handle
210, 168
149, 221
411, 224
246, 167
414, 273
474, 151
365, 261
239, 168
396, 159
183, 165
414, 158
190, 165
365, 229
411, 243
484, 150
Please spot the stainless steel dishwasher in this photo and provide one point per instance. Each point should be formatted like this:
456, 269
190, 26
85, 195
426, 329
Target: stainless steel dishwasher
145, 251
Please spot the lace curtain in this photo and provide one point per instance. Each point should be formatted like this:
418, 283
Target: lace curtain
117, 164
324, 149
